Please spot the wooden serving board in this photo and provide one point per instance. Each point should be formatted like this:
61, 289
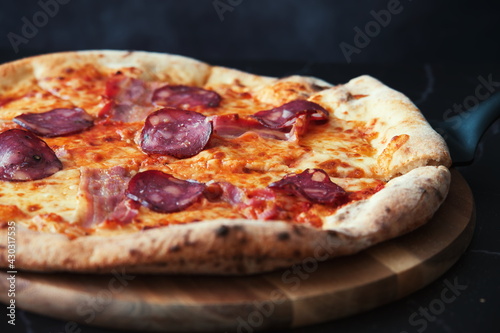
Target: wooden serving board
308, 294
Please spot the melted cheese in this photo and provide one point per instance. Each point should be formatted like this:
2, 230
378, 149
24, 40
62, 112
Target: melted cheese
56, 194
341, 148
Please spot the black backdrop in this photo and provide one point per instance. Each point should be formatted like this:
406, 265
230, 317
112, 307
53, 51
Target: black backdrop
367, 31
426, 38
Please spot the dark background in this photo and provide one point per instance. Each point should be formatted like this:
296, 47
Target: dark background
440, 31
432, 51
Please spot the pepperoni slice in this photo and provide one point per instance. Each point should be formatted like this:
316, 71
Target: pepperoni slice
285, 115
314, 185
57, 122
179, 133
162, 192
23, 156
185, 97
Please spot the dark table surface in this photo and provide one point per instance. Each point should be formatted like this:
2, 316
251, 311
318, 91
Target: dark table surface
435, 89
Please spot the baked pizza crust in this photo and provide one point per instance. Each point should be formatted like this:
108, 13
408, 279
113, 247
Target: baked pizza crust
411, 155
242, 246
404, 139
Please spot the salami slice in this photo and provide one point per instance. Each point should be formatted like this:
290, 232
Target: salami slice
286, 114
233, 126
185, 97
57, 122
24, 156
162, 192
314, 185
179, 133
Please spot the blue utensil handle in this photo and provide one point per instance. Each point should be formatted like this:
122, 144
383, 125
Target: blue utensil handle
481, 117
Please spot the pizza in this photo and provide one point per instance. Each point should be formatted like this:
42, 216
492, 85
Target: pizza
159, 163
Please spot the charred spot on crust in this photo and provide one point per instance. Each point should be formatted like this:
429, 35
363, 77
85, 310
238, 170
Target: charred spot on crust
296, 230
333, 238
317, 87
238, 228
283, 236
222, 231
423, 190
134, 252
387, 209
68, 261
174, 248
438, 194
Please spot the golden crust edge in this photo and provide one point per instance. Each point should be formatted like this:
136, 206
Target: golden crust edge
240, 246
424, 146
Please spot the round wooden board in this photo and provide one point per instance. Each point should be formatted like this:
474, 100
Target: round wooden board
302, 295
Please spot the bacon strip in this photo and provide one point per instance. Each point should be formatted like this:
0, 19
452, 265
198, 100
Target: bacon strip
102, 196
129, 99
254, 203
